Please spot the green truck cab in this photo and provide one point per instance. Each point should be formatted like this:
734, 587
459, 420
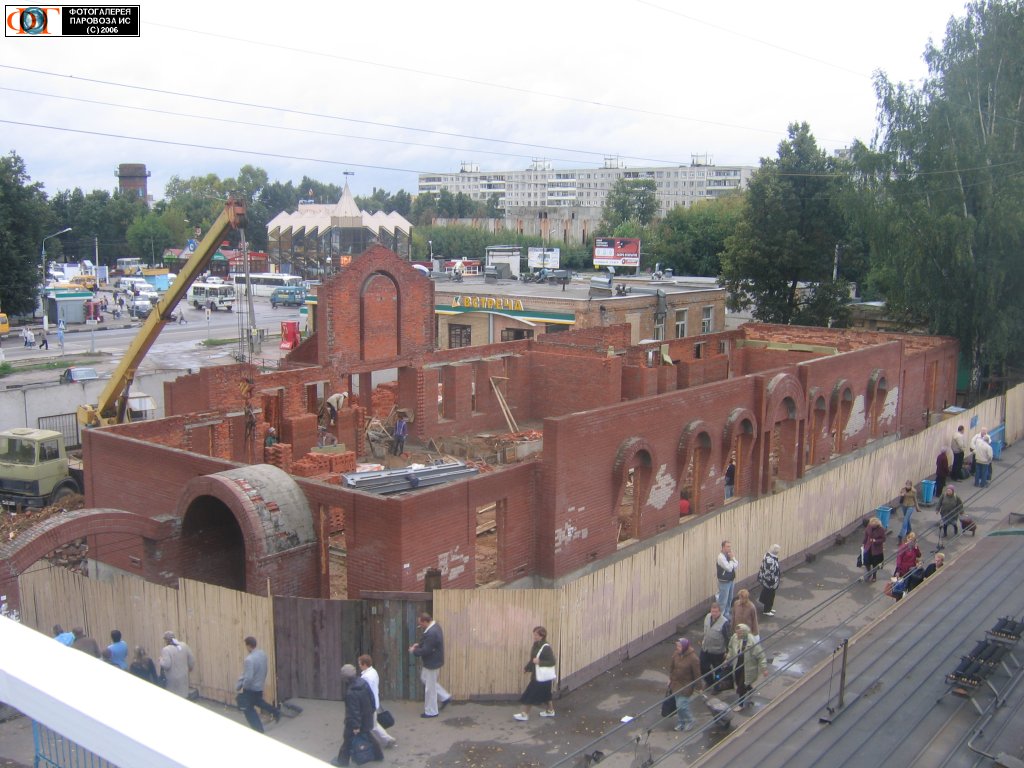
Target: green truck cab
34, 468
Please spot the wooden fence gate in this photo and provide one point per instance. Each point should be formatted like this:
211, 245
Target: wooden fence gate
316, 637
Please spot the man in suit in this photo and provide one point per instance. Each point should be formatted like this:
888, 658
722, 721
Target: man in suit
430, 649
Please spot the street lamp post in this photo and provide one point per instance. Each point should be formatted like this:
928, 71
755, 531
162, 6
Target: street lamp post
42, 293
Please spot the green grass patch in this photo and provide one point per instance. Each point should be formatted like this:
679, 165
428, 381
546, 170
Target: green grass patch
218, 342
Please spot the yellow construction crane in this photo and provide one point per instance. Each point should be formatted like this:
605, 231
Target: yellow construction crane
112, 407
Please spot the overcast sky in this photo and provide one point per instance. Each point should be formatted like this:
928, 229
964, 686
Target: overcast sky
386, 91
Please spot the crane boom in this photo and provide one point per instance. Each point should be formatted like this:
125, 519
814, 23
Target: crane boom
113, 402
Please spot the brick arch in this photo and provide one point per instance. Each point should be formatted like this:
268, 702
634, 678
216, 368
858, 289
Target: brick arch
839, 410
688, 451
625, 456
782, 386
269, 508
42, 538
744, 445
877, 390
380, 316
634, 453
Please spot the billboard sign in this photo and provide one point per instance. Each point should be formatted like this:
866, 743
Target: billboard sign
616, 252
541, 258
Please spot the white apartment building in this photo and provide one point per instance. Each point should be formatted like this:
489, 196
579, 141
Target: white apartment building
541, 187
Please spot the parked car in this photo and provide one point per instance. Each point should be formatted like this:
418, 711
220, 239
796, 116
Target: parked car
77, 374
288, 296
140, 308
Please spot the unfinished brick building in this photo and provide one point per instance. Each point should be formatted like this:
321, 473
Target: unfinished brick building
625, 429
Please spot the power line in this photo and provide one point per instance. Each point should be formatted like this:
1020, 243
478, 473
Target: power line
271, 127
324, 116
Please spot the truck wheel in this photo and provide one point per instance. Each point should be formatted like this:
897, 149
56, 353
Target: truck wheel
61, 493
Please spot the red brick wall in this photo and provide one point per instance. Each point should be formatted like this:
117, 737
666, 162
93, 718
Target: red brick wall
377, 313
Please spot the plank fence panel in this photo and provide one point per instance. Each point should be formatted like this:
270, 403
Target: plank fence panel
389, 628
315, 637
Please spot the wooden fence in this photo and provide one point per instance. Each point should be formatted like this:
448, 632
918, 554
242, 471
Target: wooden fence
212, 620
634, 602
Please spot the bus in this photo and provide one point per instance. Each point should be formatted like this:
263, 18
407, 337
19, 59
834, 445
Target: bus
212, 296
128, 266
264, 283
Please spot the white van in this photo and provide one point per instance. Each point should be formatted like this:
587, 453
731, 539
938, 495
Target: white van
211, 296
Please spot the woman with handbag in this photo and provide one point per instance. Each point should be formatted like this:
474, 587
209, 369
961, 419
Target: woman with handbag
541, 668
874, 548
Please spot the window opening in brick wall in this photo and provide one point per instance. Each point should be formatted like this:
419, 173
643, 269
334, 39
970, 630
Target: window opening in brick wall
490, 520
706, 320
516, 334
698, 351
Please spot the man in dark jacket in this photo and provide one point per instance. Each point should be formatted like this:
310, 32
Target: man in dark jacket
358, 715
430, 649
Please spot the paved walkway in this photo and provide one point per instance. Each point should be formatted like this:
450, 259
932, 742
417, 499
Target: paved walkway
819, 604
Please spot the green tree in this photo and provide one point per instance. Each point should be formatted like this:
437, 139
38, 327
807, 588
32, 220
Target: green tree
148, 236
691, 239
629, 200
24, 222
948, 222
100, 220
781, 257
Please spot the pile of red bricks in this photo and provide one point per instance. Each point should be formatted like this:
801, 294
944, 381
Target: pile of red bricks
317, 464
280, 455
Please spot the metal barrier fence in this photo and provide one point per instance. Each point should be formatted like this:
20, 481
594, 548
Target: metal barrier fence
55, 751
66, 424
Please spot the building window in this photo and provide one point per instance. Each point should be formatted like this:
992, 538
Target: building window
515, 334
659, 327
705, 320
555, 328
680, 323
460, 336
698, 351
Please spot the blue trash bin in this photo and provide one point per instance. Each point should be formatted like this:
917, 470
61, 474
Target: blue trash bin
883, 513
927, 491
997, 449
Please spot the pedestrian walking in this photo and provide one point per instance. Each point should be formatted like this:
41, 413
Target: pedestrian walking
908, 505
372, 678
725, 571
24, 336
541, 669
907, 556
143, 667
745, 612
430, 650
358, 718
30, 338
873, 548
959, 448
982, 459
684, 680
250, 686
769, 576
942, 471
950, 508
85, 643
748, 662
176, 661
118, 649
60, 334
713, 645
62, 637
